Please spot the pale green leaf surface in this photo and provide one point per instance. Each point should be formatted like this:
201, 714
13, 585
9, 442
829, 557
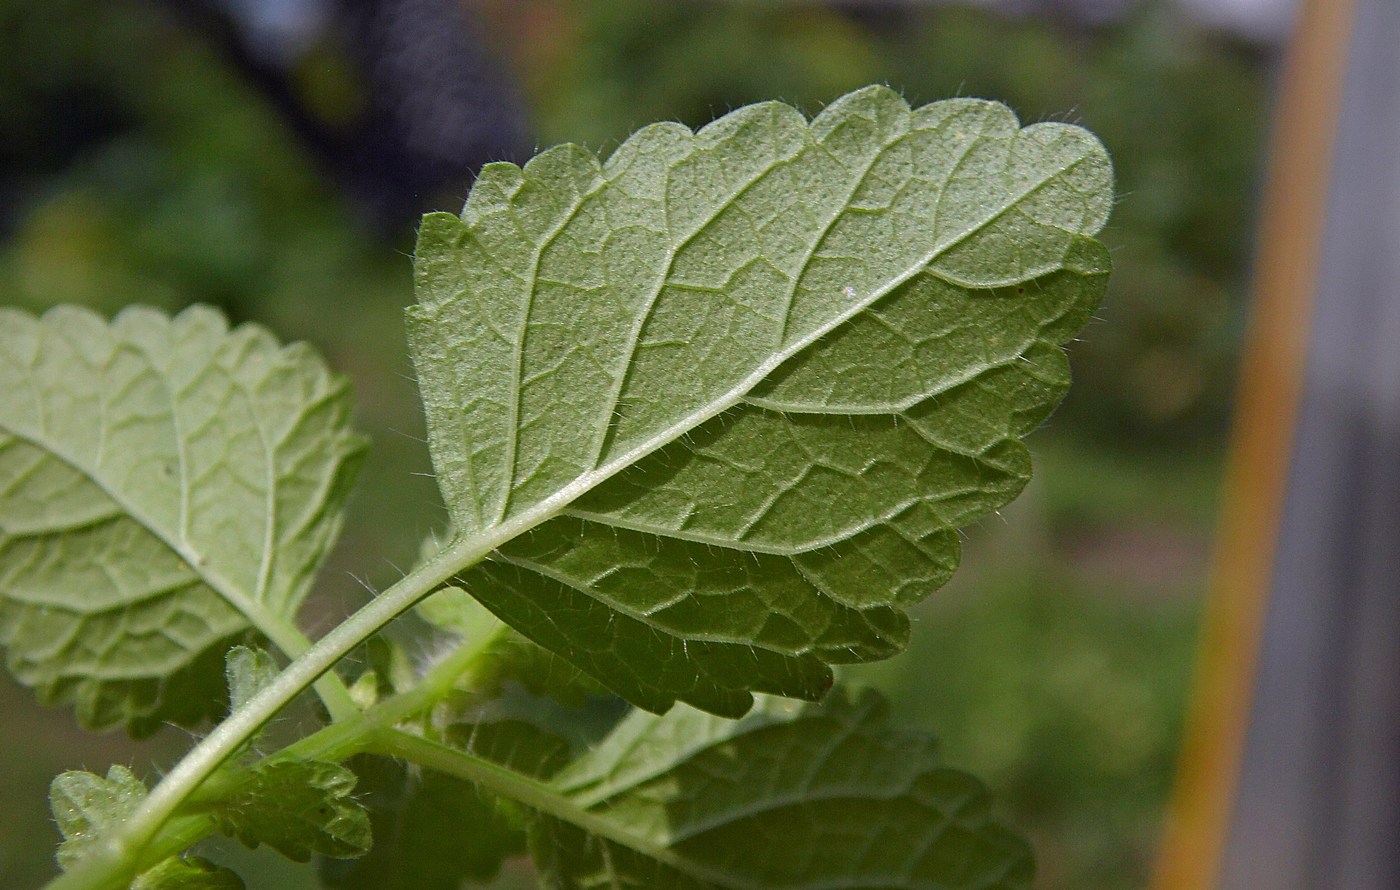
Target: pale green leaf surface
85, 805
247, 670
297, 807
791, 796
720, 402
166, 485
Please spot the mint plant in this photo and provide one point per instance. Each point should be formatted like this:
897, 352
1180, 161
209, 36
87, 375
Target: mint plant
706, 417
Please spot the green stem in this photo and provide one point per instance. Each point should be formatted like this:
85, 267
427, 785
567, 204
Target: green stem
347, 738
112, 864
491, 776
541, 797
337, 742
371, 731
329, 687
176, 836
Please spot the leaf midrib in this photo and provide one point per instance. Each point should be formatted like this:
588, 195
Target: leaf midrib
469, 550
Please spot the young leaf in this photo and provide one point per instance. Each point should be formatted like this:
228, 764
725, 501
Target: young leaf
247, 670
297, 807
716, 406
166, 485
85, 805
791, 796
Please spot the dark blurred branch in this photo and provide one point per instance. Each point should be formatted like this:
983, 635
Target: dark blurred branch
436, 103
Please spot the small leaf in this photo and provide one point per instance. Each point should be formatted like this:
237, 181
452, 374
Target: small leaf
717, 405
188, 873
85, 805
167, 486
792, 796
247, 671
297, 807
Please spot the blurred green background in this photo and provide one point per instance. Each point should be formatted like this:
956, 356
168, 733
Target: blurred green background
159, 153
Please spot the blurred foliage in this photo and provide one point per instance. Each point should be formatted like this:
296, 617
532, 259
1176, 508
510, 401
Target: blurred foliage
136, 165
1056, 664
1075, 732
1181, 110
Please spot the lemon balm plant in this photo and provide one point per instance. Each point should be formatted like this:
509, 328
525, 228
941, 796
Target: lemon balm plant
705, 415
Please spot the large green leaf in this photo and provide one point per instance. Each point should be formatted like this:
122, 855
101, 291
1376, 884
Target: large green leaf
166, 485
717, 405
791, 796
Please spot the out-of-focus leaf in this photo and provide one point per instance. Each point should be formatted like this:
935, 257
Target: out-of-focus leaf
791, 796
167, 486
247, 670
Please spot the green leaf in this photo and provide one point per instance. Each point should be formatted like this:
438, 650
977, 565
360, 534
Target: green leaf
166, 486
188, 873
503, 655
297, 807
792, 796
247, 670
716, 406
432, 832
85, 805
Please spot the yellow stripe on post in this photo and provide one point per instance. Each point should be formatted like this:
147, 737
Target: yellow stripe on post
1270, 390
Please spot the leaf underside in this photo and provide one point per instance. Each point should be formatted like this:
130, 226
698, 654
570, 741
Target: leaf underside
85, 805
167, 487
720, 402
792, 796
297, 807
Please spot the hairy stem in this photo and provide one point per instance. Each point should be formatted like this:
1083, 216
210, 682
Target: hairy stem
112, 864
329, 688
538, 796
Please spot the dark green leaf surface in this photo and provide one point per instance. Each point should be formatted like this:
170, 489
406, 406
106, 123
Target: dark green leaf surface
503, 655
431, 832
166, 486
719, 403
297, 807
791, 796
